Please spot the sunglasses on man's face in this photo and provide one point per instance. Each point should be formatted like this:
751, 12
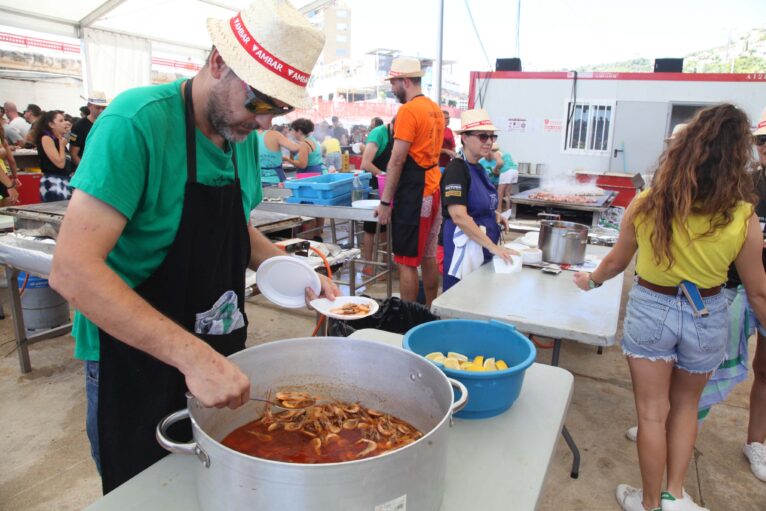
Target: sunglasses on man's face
760, 140
484, 137
260, 104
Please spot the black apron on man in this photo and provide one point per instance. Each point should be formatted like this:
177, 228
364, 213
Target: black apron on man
208, 257
408, 201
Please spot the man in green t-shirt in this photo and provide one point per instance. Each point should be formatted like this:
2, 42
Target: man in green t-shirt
156, 239
377, 151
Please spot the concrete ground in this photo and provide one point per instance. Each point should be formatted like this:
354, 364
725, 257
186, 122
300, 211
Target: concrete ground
46, 460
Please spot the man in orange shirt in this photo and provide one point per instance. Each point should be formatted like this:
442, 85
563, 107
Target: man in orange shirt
412, 182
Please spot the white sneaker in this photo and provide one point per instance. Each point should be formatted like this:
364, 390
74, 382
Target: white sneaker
756, 453
630, 499
632, 433
671, 503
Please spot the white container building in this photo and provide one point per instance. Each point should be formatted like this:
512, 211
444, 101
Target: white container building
602, 122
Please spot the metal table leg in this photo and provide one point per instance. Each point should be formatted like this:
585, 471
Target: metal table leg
575, 453
22, 343
564, 431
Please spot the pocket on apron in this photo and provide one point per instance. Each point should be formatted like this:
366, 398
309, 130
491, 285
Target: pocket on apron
223, 318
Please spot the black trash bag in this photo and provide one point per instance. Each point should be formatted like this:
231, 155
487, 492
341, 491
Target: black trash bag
394, 315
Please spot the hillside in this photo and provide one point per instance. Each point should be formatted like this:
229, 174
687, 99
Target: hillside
745, 54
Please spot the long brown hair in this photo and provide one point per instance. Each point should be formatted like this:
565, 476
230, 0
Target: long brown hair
702, 172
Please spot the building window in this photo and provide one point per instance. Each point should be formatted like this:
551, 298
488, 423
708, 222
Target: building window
341, 52
341, 26
588, 127
341, 14
341, 38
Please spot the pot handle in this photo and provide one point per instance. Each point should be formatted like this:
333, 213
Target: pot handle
571, 234
463, 399
170, 445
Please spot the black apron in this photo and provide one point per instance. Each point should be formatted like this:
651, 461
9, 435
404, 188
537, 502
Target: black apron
408, 201
208, 257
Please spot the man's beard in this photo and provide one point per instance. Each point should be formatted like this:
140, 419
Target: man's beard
219, 113
401, 95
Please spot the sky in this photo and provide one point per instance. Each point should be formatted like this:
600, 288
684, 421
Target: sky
555, 34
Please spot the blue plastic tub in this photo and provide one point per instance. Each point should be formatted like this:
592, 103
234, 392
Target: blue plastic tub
326, 186
489, 393
341, 200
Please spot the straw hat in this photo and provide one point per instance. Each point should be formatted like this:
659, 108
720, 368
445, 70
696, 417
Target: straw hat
760, 128
96, 97
405, 67
475, 120
677, 129
272, 47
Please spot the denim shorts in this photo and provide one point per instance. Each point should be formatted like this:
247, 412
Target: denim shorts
662, 327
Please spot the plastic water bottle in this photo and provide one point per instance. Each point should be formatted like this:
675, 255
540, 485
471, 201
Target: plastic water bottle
358, 192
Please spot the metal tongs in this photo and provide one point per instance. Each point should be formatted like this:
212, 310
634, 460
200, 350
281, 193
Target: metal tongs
287, 400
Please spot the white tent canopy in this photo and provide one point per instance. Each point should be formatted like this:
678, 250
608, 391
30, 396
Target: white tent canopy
117, 37
175, 23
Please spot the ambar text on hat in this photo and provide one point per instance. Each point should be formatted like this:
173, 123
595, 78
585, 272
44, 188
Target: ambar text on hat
264, 57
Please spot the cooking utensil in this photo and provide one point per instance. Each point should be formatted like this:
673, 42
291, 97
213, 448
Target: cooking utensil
380, 376
524, 168
563, 242
277, 404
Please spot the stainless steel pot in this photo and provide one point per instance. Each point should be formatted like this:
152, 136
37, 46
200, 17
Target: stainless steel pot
380, 376
562, 242
525, 168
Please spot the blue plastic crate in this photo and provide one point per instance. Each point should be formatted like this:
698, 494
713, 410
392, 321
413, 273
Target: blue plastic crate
326, 186
341, 200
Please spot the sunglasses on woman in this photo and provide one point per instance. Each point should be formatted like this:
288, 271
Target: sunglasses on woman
484, 137
760, 140
261, 104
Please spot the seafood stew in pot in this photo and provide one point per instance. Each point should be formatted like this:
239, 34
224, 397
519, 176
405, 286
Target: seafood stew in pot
333, 432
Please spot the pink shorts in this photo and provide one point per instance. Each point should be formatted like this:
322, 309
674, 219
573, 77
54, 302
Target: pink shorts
428, 231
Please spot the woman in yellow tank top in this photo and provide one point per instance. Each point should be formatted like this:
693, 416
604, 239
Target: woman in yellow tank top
695, 220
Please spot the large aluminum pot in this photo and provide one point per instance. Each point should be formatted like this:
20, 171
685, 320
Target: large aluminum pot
380, 376
562, 242
525, 168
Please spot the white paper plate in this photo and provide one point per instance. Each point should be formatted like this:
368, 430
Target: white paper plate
501, 266
284, 279
366, 204
514, 245
323, 306
529, 239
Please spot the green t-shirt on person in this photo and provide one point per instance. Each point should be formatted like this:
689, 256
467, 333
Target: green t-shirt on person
136, 163
379, 137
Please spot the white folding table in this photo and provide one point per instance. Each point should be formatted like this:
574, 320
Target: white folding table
542, 304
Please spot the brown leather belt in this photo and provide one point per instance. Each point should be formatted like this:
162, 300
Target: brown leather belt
673, 290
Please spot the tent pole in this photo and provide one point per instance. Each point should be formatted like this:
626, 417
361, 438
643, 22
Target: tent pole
438, 66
